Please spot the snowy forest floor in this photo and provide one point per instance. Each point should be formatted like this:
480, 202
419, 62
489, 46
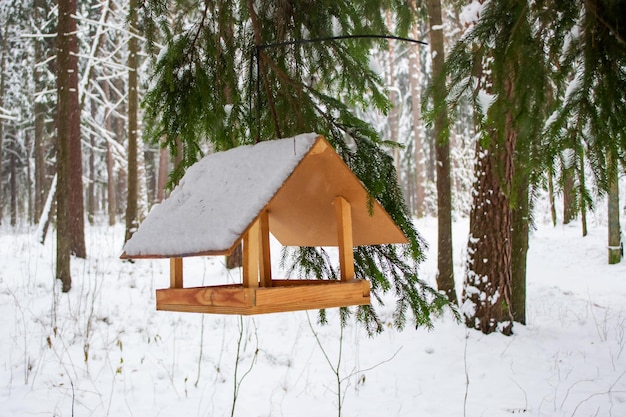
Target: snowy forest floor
103, 350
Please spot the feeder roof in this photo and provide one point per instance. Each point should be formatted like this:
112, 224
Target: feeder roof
296, 180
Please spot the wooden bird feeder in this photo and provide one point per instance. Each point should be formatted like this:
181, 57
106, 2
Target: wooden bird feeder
300, 190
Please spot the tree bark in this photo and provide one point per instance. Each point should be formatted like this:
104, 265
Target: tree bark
3, 64
133, 104
580, 167
551, 196
418, 151
13, 186
91, 187
162, 175
394, 113
615, 238
487, 292
110, 190
69, 115
487, 286
68, 133
39, 110
445, 265
520, 244
569, 195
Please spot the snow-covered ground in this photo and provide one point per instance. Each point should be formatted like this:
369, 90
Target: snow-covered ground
103, 350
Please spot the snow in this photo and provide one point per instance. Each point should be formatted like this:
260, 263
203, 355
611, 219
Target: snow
470, 13
568, 361
485, 100
218, 198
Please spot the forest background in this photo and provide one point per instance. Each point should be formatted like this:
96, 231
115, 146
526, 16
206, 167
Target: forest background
529, 102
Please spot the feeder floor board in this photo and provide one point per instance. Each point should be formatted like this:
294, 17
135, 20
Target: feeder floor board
282, 296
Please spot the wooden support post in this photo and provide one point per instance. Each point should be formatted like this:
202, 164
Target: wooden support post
251, 243
265, 262
344, 231
176, 272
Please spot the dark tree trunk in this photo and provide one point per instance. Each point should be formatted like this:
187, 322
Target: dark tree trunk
110, 190
551, 196
615, 238
40, 133
111, 193
580, 167
30, 212
13, 186
68, 133
487, 286
487, 302
3, 63
420, 160
445, 265
520, 243
393, 119
133, 107
569, 195
91, 188
162, 174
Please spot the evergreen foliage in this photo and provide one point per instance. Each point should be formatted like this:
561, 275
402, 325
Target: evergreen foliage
223, 80
546, 78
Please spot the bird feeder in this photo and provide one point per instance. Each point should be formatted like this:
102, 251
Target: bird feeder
300, 190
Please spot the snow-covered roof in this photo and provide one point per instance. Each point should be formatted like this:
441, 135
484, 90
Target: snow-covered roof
220, 196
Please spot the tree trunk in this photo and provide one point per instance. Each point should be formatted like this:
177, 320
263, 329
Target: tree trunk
487, 286
39, 110
580, 167
418, 151
445, 265
3, 64
111, 192
487, 292
551, 196
13, 186
569, 195
520, 243
111, 197
69, 114
30, 212
163, 171
133, 103
615, 238
91, 188
394, 98
68, 133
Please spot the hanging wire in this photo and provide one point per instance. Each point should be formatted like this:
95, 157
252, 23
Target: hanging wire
254, 59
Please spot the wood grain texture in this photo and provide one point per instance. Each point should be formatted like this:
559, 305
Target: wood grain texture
344, 237
176, 272
285, 295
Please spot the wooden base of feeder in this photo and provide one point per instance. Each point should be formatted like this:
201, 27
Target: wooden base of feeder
282, 296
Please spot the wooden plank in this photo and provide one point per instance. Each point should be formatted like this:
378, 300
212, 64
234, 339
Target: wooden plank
176, 272
265, 262
251, 242
342, 293
235, 299
344, 237
222, 296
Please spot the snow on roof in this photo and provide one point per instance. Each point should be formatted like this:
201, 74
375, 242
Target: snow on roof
217, 199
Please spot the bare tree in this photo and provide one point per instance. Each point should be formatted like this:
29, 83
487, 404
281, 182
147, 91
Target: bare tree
445, 266
68, 136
